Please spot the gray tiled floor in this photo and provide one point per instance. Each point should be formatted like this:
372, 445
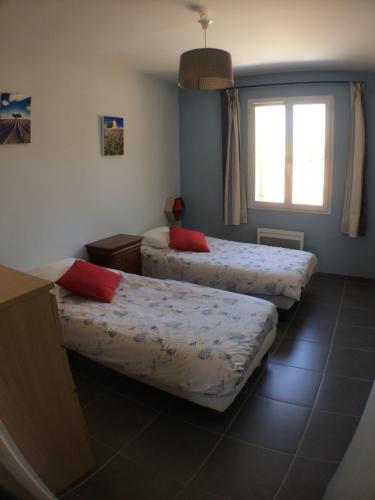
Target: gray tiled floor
282, 438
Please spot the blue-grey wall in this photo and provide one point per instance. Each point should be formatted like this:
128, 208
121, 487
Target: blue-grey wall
202, 173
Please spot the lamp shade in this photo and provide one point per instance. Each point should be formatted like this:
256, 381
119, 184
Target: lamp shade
174, 209
205, 69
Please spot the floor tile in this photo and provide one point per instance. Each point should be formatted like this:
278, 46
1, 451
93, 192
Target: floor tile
142, 393
282, 326
68, 496
328, 436
355, 285
241, 471
289, 384
172, 447
200, 416
195, 494
117, 382
88, 368
352, 363
102, 452
313, 330
211, 420
123, 479
359, 300
301, 354
285, 315
274, 346
87, 390
343, 395
355, 337
113, 419
360, 280
318, 309
357, 317
270, 423
329, 291
307, 480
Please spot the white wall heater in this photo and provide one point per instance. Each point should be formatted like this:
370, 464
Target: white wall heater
280, 238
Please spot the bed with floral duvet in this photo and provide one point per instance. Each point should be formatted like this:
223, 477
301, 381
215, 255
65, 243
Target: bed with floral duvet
198, 343
274, 273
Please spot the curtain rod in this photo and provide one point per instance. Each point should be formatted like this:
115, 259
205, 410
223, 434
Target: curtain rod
289, 83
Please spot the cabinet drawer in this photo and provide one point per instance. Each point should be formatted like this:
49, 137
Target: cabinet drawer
129, 261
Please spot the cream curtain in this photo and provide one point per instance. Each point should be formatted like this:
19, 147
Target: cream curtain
352, 217
235, 203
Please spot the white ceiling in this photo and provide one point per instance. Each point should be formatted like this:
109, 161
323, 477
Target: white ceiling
262, 35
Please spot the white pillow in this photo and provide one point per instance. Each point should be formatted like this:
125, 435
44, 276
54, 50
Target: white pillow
157, 237
52, 272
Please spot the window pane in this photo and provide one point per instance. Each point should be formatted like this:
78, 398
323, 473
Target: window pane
308, 154
270, 153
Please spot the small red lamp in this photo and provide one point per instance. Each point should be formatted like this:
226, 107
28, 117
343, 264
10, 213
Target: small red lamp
174, 209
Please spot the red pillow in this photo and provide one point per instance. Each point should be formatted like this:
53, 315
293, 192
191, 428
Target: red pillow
90, 281
188, 240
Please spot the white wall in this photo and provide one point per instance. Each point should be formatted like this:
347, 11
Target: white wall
59, 193
354, 478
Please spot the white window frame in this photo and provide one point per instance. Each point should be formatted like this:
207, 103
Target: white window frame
328, 167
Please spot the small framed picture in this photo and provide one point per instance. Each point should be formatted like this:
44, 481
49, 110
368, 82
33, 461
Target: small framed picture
15, 118
113, 135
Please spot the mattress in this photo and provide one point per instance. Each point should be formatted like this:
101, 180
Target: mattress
237, 267
199, 343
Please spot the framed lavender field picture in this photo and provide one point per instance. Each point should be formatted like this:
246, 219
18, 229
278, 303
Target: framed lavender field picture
113, 135
15, 118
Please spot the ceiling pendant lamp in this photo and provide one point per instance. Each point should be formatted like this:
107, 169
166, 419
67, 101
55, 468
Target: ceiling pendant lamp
205, 68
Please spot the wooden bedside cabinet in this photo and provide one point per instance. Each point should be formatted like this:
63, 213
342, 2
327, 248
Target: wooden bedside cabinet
121, 251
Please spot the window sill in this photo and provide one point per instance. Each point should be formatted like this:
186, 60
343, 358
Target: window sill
293, 209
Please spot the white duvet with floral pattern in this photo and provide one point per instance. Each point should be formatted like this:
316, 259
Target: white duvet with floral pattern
177, 335
237, 267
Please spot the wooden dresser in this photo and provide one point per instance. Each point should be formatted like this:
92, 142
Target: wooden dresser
38, 403
121, 251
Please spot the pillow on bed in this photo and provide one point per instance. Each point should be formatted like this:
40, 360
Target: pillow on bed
157, 237
187, 240
90, 281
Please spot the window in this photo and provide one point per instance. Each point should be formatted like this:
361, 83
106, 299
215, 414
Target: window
290, 153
